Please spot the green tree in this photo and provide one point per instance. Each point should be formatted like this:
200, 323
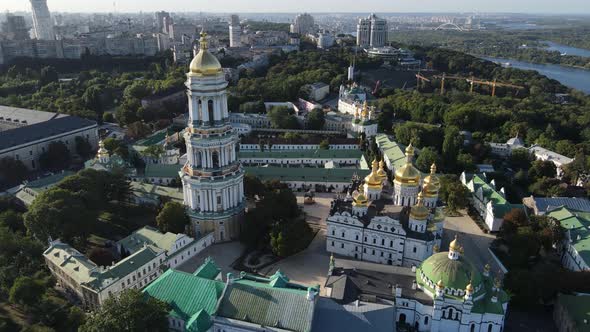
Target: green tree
12, 172
154, 151
325, 144
316, 119
48, 75
83, 147
26, 291
453, 193
131, 311
253, 186
173, 218
58, 213
426, 158
542, 168
92, 98
57, 157
282, 118
13, 220
137, 130
521, 158
465, 162
451, 146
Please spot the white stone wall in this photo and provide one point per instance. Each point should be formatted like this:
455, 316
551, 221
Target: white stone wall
185, 253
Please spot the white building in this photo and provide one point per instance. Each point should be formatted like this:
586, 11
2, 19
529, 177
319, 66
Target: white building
371, 31
573, 249
325, 40
445, 293
318, 91
42, 24
303, 24
212, 177
547, 155
505, 149
489, 202
350, 98
26, 135
363, 121
235, 32
367, 226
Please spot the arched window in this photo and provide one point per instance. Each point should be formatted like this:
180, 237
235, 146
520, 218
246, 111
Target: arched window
402, 318
472, 329
490, 327
215, 159
200, 110
451, 313
426, 320
211, 113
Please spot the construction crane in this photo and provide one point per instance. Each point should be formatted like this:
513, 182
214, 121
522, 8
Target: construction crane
377, 86
420, 80
443, 77
493, 84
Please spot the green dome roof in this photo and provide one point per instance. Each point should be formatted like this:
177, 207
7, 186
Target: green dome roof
455, 274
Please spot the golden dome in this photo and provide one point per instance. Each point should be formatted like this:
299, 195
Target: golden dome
408, 174
381, 172
360, 200
102, 151
440, 284
419, 211
469, 288
373, 180
365, 112
454, 245
205, 63
431, 183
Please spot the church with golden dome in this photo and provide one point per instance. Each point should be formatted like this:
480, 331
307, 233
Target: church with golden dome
395, 222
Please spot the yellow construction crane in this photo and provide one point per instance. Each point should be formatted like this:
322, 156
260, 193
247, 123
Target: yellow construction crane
472, 81
420, 80
443, 77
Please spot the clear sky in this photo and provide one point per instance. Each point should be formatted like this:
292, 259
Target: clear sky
237, 6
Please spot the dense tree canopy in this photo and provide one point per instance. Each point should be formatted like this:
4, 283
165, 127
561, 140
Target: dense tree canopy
173, 218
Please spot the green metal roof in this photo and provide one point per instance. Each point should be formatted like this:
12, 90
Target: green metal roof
578, 310
500, 205
148, 235
308, 174
394, 151
152, 191
309, 154
162, 170
188, 295
268, 306
155, 138
208, 270
124, 267
455, 274
578, 225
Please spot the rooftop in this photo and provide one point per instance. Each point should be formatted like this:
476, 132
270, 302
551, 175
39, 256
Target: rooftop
545, 154
312, 140
578, 309
23, 117
578, 225
148, 235
394, 151
367, 316
22, 135
147, 190
306, 174
162, 170
307, 153
546, 204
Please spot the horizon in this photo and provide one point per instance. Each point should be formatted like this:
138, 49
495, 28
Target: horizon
524, 7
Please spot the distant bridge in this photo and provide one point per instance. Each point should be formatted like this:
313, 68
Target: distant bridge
449, 26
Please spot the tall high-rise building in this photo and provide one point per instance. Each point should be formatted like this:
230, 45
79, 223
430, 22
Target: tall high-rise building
303, 24
15, 27
371, 31
212, 178
159, 17
235, 31
42, 25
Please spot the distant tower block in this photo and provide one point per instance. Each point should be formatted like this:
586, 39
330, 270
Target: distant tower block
42, 26
351, 72
235, 32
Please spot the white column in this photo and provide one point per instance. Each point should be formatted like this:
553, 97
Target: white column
205, 110
222, 157
241, 191
225, 199
202, 200
225, 110
193, 199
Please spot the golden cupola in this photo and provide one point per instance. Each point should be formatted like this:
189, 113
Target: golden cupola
381, 172
204, 63
360, 200
365, 112
408, 174
419, 211
373, 180
431, 183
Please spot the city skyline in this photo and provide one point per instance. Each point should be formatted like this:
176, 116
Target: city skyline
332, 6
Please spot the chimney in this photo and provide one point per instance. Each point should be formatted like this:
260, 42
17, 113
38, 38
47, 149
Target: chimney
230, 278
310, 294
414, 285
398, 291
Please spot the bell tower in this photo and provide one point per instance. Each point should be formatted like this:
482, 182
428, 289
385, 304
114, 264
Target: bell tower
212, 178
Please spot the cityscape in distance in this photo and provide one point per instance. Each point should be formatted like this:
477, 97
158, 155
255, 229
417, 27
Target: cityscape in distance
295, 167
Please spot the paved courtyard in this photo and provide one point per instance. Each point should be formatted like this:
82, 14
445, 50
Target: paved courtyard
224, 254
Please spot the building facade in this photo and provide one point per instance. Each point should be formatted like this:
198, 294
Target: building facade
371, 32
212, 177
303, 24
235, 32
42, 24
368, 226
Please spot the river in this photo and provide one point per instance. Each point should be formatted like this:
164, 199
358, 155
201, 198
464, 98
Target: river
576, 78
567, 49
